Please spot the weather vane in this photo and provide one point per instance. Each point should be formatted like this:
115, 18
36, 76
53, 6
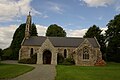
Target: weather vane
30, 11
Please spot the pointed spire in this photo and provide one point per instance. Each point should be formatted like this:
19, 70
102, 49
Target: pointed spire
28, 26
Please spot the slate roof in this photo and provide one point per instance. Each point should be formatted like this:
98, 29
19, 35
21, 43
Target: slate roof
34, 41
59, 41
65, 41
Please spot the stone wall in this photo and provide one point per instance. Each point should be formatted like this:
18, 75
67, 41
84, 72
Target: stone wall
24, 52
69, 50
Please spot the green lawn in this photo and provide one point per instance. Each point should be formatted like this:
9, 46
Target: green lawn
109, 72
13, 70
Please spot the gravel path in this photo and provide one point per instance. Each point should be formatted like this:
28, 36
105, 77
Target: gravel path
41, 72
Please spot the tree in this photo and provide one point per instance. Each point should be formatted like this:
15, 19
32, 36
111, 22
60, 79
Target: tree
34, 30
55, 31
95, 31
18, 38
1, 53
113, 39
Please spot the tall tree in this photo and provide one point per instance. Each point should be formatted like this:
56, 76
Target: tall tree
34, 30
18, 38
1, 53
113, 39
55, 31
95, 31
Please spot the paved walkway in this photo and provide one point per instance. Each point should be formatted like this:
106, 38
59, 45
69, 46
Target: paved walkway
41, 72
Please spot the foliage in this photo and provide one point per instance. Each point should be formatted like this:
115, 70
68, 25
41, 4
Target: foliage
1, 53
17, 40
95, 31
34, 30
60, 58
31, 60
55, 31
8, 71
100, 63
7, 54
113, 39
64, 61
107, 72
68, 61
92, 32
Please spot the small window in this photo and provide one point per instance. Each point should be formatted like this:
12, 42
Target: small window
85, 53
65, 53
31, 52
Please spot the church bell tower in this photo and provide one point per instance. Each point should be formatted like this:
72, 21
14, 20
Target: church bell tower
28, 26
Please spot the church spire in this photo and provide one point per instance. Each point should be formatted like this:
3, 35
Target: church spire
28, 26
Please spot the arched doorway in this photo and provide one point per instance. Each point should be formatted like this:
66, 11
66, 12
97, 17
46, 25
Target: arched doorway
47, 57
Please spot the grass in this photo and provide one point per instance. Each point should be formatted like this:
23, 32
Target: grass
8, 71
109, 72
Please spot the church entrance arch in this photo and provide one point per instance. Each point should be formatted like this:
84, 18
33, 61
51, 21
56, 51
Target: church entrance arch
47, 57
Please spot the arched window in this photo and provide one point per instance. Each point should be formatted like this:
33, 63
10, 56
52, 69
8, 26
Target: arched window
31, 52
65, 53
85, 53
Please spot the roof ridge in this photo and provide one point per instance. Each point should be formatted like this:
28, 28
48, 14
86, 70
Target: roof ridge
68, 37
64, 37
38, 36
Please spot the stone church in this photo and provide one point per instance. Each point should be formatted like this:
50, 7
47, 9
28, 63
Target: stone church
84, 51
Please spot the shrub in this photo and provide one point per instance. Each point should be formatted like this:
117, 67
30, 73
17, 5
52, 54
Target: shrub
7, 54
69, 61
100, 63
27, 61
60, 58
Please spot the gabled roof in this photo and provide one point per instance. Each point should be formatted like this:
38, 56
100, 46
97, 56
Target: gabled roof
59, 41
94, 42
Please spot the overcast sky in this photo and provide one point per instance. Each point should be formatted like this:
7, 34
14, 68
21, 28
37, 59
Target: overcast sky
75, 16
